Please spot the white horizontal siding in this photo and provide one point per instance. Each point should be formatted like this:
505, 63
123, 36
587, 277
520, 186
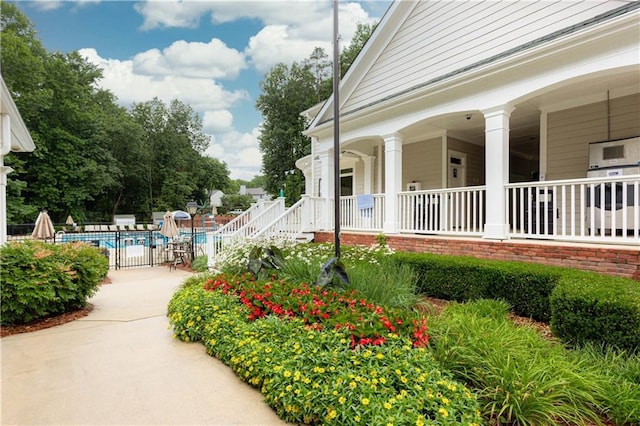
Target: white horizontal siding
440, 37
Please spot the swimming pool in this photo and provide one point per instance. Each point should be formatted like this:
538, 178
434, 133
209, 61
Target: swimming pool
121, 239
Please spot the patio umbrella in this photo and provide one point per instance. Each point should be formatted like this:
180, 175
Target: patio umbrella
181, 215
69, 220
169, 228
44, 227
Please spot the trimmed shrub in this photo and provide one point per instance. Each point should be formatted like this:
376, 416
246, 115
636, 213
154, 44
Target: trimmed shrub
525, 286
588, 307
581, 306
40, 279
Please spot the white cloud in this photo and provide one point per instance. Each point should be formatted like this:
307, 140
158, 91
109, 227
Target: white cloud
273, 45
217, 121
239, 151
202, 94
46, 5
191, 59
292, 28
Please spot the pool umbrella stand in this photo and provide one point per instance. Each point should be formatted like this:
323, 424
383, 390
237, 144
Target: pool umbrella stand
169, 228
44, 227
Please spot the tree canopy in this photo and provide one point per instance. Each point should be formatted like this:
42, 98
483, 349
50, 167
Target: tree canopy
93, 158
287, 91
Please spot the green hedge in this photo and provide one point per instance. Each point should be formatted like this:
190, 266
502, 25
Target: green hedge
525, 286
39, 279
588, 307
581, 306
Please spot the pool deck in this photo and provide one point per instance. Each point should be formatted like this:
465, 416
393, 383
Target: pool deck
121, 366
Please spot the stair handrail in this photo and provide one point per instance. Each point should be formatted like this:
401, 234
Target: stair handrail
245, 217
274, 228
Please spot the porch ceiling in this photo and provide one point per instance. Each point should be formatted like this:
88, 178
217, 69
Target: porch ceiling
525, 119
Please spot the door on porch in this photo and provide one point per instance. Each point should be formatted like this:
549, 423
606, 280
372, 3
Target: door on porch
457, 174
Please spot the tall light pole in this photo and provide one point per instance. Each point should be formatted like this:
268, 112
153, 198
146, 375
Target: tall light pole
192, 208
336, 130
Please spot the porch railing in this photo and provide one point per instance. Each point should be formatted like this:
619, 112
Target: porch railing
453, 211
355, 218
605, 209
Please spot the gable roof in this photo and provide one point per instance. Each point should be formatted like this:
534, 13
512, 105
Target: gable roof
420, 44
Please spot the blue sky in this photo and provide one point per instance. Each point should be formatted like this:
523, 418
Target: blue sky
211, 55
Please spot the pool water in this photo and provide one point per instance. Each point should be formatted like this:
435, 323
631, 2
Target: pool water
108, 239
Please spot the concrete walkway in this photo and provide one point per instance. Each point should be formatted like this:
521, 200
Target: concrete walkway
121, 366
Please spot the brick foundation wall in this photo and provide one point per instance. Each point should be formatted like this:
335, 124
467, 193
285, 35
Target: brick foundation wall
611, 260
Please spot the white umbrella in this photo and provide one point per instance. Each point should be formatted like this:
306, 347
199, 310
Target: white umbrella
69, 220
169, 228
181, 215
44, 227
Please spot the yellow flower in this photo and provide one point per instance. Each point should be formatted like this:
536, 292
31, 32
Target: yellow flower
445, 400
383, 380
419, 422
387, 406
365, 401
352, 385
357, 418
287, 373
342, 400
331, 414
444, 412
288, 388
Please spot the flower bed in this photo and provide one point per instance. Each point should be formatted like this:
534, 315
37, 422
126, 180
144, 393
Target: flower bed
315, 369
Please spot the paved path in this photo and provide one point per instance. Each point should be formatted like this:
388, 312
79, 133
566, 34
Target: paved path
120, 366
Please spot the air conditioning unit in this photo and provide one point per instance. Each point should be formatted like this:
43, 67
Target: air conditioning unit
614, 158
609, 159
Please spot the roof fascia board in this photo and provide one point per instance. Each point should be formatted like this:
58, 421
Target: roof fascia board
562, 39
384, 32
437, 86
21, 140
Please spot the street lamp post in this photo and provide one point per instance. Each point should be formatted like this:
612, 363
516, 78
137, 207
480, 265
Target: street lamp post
192, 208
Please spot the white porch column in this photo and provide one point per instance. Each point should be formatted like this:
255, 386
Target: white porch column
368, 174
326, 189
497, 170
5, 148
393, 181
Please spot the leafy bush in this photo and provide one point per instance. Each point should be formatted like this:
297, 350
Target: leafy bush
199, 264
388, 284
309, 375
588, 307
520, 377
40, 279
581, 306
367, 322
620, 375
525, 286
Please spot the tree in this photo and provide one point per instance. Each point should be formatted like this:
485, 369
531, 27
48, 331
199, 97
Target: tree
349, 53
172, 143
235, 202
286, 92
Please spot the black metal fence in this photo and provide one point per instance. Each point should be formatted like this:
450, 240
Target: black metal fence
130, 249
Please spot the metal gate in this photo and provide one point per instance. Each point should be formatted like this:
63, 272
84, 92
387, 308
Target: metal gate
133, 249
